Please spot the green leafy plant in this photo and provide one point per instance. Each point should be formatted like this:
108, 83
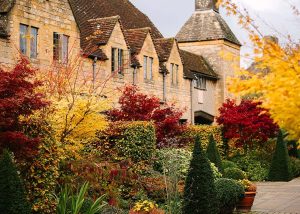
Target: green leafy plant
180, 158
67, 203
128, 140
228, 164
204, 132
228, 194
254, 165
280, 168
234, 173
295, 167
199, 191
213, 154
12, 192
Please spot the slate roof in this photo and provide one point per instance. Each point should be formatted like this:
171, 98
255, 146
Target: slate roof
206, 25
5, 7
130, 16
164, 47
136, 39
196, 64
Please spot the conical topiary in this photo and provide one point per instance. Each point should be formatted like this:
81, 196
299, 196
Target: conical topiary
280, 167
199, 191
213, 154
12, 193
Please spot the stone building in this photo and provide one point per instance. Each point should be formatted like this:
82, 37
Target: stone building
207, 34
114, 37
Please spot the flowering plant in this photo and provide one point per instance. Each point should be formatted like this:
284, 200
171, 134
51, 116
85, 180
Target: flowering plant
145, 207
248, 185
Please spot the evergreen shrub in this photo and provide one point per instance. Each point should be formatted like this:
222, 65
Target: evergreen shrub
280, 169
12, 192
129, 140
199, 191
228, 164
204, 132
213, 154
295, 167
234, 173
228, 194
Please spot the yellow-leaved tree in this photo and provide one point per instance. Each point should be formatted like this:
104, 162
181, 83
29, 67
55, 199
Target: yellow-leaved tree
275, 75
77, 105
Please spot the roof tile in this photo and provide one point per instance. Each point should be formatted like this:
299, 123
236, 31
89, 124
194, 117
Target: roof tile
205, 26
194, 64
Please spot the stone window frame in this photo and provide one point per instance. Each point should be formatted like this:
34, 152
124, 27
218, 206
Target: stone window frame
200, 83
61, 47
174, 75
148, 68
27, 39
117, 60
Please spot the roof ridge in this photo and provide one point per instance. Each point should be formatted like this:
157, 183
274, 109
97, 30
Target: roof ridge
142, 28
103, 18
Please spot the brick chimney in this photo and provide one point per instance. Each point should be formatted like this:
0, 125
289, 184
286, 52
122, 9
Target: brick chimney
206, 5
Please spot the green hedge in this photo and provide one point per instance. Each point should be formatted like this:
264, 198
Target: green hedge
204, 132
128, 140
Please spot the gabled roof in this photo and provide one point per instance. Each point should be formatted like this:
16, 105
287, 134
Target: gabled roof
136, 39
97, 32
130, 16
5, 8
6, 5
164, 47
196, 64
206, 25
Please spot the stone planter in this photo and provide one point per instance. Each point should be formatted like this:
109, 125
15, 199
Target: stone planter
245, 203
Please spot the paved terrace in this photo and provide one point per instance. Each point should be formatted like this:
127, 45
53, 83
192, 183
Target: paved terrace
278, 198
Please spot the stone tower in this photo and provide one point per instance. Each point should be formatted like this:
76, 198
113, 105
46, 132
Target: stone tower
206, 33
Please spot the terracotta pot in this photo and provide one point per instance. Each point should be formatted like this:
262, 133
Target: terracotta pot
246, 202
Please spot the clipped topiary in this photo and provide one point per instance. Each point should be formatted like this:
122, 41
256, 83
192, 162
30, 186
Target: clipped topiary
234, 173
280, 167
12, 192
199, 191
213, 154
228, 194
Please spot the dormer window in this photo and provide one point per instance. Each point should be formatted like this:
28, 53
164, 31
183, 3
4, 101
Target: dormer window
117, 60
174, 69
148, 68
200, 83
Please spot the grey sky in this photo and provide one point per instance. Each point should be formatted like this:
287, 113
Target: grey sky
170, 15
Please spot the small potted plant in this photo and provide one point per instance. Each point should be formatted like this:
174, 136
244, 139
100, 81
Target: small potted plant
146, 207
246, 202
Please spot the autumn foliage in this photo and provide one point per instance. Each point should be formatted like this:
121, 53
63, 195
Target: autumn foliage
136, 106
246, 123
19, 100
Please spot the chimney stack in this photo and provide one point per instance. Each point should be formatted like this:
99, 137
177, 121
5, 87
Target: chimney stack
202, 5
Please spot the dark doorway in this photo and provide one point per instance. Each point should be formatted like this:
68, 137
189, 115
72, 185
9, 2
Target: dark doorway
203, 118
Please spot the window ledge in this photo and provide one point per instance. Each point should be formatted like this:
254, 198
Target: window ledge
174, 85
149, 81
202, 89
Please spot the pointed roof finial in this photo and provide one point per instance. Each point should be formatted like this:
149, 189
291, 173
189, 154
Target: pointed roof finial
206, 5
